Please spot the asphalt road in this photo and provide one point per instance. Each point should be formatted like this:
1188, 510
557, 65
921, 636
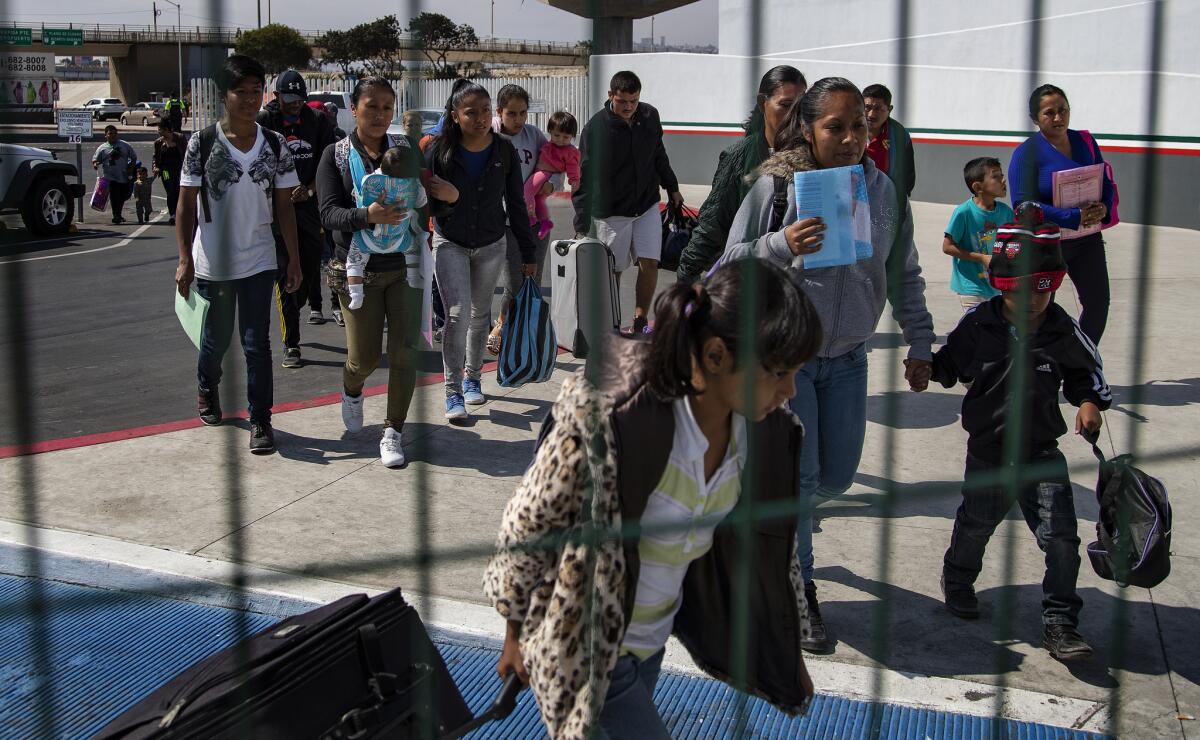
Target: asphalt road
91, 316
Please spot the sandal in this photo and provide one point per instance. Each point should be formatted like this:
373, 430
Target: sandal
493, 340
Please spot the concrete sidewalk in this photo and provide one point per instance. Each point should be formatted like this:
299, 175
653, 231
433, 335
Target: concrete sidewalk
324, 508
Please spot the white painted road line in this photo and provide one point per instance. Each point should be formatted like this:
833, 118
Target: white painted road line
123, 243
460, 619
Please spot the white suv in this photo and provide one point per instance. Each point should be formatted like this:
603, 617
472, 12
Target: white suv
104, 108
35, 182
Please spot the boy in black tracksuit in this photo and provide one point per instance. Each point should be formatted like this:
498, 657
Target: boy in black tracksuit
981, 349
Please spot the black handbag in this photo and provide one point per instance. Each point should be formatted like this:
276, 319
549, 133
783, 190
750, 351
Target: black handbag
357, 668
677, 225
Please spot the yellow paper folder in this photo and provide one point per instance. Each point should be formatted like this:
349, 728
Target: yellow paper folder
192, 312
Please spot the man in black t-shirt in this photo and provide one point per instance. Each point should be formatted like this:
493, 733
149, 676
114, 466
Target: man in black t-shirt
307, 133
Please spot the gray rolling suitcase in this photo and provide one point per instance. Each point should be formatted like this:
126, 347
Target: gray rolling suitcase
585, 305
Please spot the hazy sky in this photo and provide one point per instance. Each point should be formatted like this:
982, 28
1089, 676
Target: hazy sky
519, 19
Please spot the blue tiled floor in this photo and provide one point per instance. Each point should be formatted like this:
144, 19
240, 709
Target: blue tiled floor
108, 649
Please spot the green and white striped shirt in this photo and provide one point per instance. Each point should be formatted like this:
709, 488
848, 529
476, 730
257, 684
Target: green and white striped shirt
684, 499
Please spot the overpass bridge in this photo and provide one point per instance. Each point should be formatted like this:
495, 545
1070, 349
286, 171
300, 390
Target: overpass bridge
143, 58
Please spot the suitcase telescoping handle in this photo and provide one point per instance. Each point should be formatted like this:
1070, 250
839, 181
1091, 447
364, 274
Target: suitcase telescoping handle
504, 705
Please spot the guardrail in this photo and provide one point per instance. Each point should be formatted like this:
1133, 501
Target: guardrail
100, 33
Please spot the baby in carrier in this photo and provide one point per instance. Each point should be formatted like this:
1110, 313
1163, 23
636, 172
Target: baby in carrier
396, 182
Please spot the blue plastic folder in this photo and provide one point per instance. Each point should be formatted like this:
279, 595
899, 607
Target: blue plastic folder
839, 196
192, 313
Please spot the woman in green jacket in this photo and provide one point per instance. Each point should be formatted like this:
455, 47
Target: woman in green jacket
779, 88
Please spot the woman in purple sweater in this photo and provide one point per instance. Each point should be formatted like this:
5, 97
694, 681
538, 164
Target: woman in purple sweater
1054, 148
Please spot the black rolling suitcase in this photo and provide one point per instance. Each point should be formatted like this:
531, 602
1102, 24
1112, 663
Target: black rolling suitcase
357, 668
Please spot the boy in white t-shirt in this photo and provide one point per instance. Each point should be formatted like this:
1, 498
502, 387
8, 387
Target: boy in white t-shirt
237, 178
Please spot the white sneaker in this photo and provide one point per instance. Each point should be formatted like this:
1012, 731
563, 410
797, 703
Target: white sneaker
352, 412
391, 454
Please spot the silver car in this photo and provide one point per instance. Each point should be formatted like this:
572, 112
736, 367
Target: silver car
104, 108
147, 114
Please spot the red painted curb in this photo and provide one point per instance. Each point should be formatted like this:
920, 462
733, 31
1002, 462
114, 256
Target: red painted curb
88, 440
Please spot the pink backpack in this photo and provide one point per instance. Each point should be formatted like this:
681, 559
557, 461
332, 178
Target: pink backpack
1113, 218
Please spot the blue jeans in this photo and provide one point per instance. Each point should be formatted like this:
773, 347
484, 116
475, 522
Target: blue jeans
831, 401
629, 710
1048, 506
252, 298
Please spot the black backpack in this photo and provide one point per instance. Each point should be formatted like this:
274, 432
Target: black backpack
1133, 536
208, 137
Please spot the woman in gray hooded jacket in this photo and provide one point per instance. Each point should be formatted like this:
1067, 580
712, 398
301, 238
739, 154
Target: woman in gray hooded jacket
828, 128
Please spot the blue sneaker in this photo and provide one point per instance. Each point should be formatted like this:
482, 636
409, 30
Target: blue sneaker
473, 392
454, 407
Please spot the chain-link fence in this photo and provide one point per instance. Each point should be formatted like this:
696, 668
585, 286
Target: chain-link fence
591, 533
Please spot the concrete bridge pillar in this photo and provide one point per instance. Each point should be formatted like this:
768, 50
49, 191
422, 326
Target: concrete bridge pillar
612, 27
155, 68
611, 35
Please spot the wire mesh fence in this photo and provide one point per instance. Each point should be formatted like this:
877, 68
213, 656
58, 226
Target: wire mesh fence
592, 532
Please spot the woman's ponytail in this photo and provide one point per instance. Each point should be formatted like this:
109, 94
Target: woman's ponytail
677, 313
788, 331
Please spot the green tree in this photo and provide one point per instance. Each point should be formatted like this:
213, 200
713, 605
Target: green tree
276, 46
378, 45
436, 36
338, 48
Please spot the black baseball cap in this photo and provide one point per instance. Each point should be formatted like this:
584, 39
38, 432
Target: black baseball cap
290, 86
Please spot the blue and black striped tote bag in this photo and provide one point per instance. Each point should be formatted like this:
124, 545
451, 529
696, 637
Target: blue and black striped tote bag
527, 347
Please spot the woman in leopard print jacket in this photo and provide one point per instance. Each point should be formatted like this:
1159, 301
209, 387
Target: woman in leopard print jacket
658, 431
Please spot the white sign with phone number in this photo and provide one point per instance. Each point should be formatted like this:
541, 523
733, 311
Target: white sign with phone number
18, 65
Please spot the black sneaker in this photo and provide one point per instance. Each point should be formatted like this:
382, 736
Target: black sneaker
208, 405
1065, 643
262, 438
171, 221
818, 642
960, 600
291, 358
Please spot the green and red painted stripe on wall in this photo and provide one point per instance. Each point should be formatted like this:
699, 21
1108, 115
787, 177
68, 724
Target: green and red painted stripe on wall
1188, 146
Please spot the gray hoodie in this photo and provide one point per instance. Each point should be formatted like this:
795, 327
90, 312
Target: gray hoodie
848, 299
528, 143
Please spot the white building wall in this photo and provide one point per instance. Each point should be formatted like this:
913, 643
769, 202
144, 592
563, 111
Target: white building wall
968, 61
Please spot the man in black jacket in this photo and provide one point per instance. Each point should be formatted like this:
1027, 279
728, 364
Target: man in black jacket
624, 163
307, 133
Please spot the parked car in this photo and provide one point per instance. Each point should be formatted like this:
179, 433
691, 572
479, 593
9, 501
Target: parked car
345, 119
429, 119
39, 186
147, 114
104, 108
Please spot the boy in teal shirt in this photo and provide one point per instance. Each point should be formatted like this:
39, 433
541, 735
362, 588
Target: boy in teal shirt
972, 231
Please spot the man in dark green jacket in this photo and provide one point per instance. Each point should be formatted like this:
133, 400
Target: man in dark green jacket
889, 144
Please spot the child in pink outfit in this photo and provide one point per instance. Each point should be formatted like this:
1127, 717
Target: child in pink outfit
557, 155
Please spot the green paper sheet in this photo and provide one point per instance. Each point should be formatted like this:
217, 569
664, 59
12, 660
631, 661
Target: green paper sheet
192, 312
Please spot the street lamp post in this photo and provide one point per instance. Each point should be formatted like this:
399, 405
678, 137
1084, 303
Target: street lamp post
178, 44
